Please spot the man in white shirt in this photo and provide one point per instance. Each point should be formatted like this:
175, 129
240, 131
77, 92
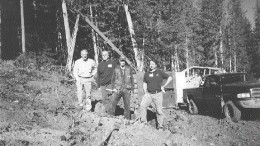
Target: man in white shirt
84, 70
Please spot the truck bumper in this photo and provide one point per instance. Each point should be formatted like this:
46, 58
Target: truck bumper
251, 103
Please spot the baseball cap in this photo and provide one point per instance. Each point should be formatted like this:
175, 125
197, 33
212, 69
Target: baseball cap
122, 58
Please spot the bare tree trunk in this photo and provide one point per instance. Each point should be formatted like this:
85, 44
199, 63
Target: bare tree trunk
235, 62
177, 66
221, 47
70, 40
22, 26
0, 31
68, 36
94, 37
215, 55
230, 63
142, 57
187, 52
74, 36
132, 34
172, 60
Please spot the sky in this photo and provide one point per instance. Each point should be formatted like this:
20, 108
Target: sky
249, 7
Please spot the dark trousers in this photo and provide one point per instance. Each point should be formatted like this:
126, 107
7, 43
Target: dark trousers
106, 99
126, 98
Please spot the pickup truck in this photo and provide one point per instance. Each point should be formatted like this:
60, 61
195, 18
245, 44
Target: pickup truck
226, 93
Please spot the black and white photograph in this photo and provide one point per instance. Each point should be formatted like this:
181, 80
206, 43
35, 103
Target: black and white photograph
129, 72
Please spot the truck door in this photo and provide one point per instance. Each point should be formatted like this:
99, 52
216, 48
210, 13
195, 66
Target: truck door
211, 93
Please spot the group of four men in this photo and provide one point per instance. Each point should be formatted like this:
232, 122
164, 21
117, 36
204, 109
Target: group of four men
119, 80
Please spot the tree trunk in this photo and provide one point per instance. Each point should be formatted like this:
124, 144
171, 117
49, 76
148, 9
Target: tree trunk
94, 37
74, 36
235, 62
187, 52
172, 60
0, 31
177, 67
22, 26
68, 36
230, 63
215, 55
132, 34
221, 47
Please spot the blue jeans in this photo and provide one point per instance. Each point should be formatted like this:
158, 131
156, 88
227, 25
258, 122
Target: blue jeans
126, 98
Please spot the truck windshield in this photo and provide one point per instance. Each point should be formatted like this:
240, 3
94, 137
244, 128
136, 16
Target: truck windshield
233, 78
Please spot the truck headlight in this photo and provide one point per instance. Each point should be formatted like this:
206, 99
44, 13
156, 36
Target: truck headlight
243, 95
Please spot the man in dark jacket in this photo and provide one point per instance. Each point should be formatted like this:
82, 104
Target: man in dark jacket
122, 83
104, 74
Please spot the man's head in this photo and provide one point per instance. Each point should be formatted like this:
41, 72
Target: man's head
152, 64
84, 54
122, 61
105, 55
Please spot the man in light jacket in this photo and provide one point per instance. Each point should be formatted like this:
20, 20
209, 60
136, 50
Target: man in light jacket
84, 71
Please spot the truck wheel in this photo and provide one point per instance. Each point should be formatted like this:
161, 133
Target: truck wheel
232, 112
193, 109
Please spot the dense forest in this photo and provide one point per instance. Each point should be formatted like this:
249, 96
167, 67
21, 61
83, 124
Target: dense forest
179, 33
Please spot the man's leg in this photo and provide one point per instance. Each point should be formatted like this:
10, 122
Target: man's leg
146, 101
158, 100
106, 100
115, 99
79, 92
126, 97
87, 85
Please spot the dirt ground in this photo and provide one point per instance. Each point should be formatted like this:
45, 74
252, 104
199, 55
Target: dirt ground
39, 108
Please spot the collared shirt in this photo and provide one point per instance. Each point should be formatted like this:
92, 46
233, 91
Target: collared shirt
154, 80
84, 69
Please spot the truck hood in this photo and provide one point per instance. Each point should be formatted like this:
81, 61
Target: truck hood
240, 87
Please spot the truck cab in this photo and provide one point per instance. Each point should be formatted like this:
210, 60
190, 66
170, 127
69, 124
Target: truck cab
230, 93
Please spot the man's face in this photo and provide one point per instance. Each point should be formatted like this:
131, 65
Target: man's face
122, 63
152, 65
105, 55
84, 55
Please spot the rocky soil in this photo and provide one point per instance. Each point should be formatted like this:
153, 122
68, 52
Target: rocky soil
39, 108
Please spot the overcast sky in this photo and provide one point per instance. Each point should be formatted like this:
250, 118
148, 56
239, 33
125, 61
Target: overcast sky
249, 7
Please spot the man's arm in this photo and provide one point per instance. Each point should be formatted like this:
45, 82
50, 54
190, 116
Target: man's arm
169, 79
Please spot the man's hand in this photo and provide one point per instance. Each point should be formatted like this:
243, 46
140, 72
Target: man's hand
162, 88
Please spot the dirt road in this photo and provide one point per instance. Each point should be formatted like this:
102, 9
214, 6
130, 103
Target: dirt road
39, 108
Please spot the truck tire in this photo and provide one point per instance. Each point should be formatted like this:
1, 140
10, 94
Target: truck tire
193, 109
232, 112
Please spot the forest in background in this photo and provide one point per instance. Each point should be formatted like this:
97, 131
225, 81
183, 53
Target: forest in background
179, 33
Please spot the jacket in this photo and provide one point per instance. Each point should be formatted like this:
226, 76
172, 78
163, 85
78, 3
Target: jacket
122, 82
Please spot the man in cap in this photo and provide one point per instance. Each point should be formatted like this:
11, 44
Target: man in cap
84, 71
104, 74
153, 92
122, 83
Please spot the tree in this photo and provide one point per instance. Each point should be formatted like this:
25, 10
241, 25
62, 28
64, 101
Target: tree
70, 40
0, 30
22, 26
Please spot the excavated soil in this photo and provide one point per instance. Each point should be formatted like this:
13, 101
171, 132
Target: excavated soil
40, 108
